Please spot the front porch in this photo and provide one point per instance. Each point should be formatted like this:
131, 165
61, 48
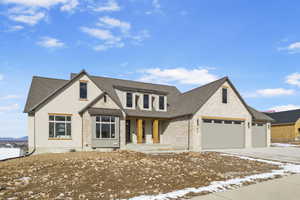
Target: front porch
143, 131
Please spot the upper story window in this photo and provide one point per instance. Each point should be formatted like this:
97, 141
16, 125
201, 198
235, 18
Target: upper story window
146, 101
83, 90
60, 126
161, 103
129, 99
224, 95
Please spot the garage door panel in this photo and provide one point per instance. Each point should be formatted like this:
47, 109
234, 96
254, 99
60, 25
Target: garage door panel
259, 136
222, 136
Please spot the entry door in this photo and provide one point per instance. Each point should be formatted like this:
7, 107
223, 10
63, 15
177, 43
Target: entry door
128, 135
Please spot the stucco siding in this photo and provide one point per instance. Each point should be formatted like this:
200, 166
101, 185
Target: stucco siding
215, 108
30, 128
108, 104
175, 132
66, 102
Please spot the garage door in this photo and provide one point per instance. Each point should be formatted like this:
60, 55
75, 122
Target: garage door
259, 135
222, 134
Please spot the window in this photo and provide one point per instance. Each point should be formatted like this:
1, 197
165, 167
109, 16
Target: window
224, 95
237, 122
105, 99
105, 127
59, 126
129, 100
207, 120
228, 122
161, 103
83, 90
146, 101
217, 121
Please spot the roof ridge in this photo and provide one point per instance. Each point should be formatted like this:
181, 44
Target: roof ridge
50, 78
135, 81
225, 77
283, 111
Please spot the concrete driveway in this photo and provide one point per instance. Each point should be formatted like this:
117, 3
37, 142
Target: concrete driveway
285, 154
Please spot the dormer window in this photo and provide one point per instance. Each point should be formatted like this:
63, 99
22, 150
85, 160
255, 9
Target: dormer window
224, 95
161, 103
146, 101
83, 90
129, 100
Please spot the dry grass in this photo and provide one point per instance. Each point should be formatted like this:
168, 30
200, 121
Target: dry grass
121, 174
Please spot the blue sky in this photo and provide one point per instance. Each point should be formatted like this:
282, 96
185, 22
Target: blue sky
185, 43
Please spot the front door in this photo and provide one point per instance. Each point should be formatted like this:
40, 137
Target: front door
128, 135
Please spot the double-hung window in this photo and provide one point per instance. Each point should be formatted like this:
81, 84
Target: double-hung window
83, 90
129, 100
161, 102
105, 127
146, 101
60, 126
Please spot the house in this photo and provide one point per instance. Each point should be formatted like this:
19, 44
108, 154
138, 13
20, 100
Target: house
90, 112
286, 127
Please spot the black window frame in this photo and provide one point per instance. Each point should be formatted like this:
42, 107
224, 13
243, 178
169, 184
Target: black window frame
146, 101
225, 95
57, 122
83, 87
129, 102
161, 102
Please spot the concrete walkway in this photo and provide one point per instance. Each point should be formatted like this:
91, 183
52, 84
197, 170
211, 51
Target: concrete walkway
286, 188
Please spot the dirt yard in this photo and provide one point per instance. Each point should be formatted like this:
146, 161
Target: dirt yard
116, 175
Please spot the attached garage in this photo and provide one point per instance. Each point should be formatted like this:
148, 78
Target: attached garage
259, 135
222, 134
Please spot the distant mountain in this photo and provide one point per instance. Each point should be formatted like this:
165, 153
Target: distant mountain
11, 139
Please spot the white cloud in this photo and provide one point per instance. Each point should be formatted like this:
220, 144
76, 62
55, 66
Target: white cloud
104, 47
31, 19
109, 6
8, 97
156, 7
197, 76
65, 4
1, 77
101, 34
114, 23
49, 42
291, 48
156, 4
15, 28
284, 108
270, 93
9, 108
293, 79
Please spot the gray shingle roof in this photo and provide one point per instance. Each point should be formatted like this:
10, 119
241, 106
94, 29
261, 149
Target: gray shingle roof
259, 116
179, 104
41, 88
284, 117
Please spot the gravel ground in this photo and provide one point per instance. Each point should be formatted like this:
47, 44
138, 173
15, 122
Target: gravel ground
117, 175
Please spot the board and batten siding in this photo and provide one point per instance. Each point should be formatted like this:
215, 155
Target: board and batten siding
215, 108
67, 102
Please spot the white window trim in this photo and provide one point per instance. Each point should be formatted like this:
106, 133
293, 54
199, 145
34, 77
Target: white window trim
150, 102
165, 107
133, 100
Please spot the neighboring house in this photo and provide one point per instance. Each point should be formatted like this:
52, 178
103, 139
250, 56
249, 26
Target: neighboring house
90, 112
286, 127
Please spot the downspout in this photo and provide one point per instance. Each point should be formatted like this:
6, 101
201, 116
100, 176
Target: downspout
189, 134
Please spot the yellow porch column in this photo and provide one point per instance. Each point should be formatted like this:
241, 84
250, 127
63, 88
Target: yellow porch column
155, 131
139, 131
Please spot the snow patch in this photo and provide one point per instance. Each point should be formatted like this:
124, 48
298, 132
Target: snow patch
9, 153
284, 145
217, 186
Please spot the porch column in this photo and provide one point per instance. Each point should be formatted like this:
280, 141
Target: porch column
139, 131
155, 131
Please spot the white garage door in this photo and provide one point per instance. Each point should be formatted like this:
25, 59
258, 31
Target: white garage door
259, 135
222, 134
